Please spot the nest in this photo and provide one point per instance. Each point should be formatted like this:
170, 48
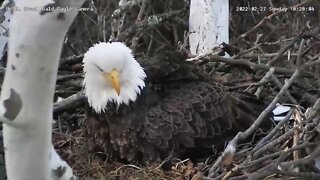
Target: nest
274, 55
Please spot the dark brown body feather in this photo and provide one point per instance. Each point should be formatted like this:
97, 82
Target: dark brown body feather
180, 108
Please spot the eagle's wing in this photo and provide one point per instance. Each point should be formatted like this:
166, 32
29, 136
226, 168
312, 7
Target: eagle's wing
194, 111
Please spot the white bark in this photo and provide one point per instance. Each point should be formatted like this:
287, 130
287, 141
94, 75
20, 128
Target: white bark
58, 168
208, 25
27, 96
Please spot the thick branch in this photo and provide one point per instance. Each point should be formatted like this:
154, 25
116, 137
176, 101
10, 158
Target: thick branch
70, 102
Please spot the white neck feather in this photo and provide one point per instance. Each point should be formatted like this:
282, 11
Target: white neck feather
108, 56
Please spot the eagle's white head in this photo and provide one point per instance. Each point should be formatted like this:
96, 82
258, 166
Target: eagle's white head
111, 75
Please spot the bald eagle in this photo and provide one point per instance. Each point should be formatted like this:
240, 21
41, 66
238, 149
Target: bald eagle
149, 109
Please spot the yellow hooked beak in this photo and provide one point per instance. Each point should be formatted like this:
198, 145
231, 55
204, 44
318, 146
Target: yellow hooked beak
113, 79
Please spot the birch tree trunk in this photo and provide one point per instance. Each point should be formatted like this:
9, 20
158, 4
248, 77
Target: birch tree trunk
35, 43
208, 25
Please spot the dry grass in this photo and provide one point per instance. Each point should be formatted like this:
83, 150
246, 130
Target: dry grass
73, 148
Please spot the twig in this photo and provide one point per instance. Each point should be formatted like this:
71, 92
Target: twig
312, 63
264, 20
287, 93
306, 160
142, 10
265, 78
274, 167
123, 7
310, 47
136, 38
248, 85
148, 22
255, 47
71, 60
118, 18
299, 61
273, 143
69, 76
296, 140
304, 175
125, 166
253, 66
269, 156
313, 112
274, 131
266, 55
281, 51
258, 163
70, 102
255, 125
